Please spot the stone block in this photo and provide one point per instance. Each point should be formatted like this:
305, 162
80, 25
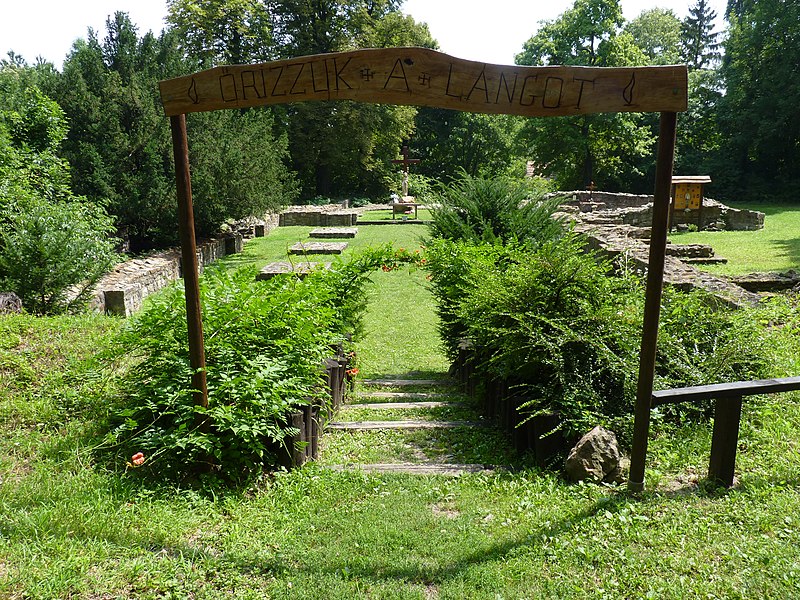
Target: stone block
300, 269
333, 232
318, 248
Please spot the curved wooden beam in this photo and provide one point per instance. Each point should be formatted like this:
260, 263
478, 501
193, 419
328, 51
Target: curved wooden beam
422, 77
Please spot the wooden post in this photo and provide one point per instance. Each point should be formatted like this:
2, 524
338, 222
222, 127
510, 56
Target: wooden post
191, 276
652, 308
725, 439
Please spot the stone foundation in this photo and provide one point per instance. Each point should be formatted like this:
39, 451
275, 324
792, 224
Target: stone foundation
122, 290
318, 216
637, 210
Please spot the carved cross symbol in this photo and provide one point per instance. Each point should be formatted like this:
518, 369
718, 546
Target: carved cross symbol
367, 74
425, 79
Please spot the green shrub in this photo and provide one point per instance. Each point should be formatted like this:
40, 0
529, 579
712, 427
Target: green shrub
265, 344
493, 210
555, 324
52, 253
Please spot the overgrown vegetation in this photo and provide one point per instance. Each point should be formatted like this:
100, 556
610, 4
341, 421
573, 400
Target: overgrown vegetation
53, 245
547, 317
265, 344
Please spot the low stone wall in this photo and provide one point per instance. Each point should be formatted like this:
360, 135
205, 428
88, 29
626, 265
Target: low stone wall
637, 210
318, 216
252, 227
122, 290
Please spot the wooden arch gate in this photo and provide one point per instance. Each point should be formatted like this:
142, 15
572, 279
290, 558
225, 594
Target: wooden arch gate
422, 77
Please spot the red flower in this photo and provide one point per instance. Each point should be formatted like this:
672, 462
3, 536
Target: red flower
137, 459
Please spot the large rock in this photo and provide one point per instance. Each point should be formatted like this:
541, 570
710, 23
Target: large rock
595, 457
10, 303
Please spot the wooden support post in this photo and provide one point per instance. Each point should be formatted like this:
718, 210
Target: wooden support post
191, 276
652, 308
725, 439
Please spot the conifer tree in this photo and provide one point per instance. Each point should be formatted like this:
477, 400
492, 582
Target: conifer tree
700, 46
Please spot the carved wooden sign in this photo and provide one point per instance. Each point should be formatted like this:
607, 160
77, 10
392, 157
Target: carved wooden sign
422, 77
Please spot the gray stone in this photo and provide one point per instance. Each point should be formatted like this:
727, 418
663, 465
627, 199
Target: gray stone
768, 282
10, 303
690, 250
327, 233
594, 457
300, 269
318, 248
318, 216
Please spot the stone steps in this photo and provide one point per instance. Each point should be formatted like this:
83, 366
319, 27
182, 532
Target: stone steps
446, 469
329, 233
301, 269
401, 405
305, 248
408, 424
408, 382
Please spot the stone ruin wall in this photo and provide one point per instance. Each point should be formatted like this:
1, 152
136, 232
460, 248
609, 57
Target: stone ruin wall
331, 215
637, 210
122, 290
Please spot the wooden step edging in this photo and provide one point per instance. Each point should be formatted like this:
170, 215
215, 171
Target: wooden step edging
408, 382
403, 395
400, 405
447, 469
404, 425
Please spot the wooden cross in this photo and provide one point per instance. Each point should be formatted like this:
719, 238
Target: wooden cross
405, 161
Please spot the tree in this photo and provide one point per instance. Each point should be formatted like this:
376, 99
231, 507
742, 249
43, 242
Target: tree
120, 145
657, 32
53, 245
344, 148
700, 46
608, 148
486, 143
759, 120
222, 31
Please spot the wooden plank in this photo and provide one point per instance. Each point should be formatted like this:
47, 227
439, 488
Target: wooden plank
407, 382
449, 469
724, 440
423, 77
726, 390
405, 424
402, 405
191, 275
403, 395
652, 304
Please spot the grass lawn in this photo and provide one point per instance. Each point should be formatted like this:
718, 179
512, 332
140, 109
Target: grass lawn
70, 528
775, 248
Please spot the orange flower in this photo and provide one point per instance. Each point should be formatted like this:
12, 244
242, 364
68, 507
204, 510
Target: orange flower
137, 459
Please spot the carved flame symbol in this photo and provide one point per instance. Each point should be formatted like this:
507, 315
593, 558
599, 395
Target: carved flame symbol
193, 92
627, 93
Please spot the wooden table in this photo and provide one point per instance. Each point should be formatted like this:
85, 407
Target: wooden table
401, 207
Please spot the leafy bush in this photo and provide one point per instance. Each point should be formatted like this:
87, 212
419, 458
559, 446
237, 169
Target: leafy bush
53, 245
264, 341
493, 210
52, 254
265, 345
553, 323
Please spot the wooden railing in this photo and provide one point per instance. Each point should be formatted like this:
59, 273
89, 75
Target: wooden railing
727, 414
